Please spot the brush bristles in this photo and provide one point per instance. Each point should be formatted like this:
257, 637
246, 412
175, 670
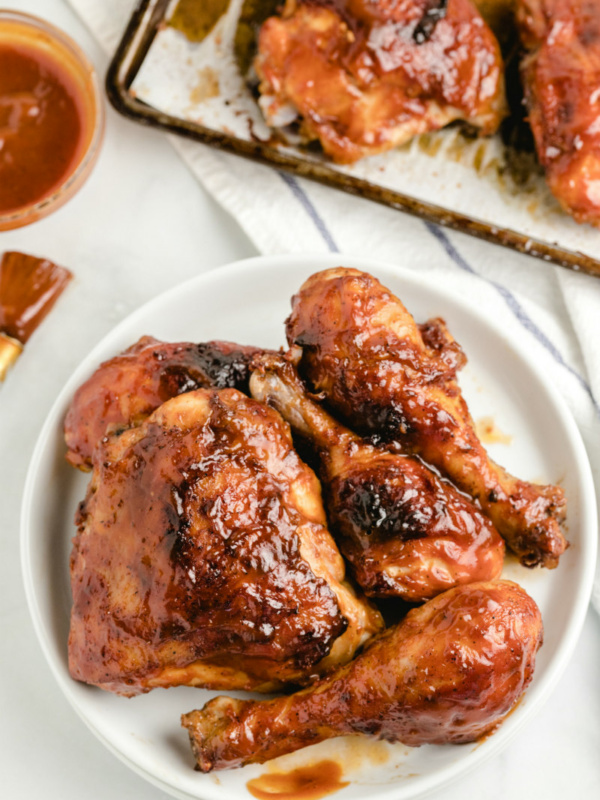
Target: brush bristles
29, 287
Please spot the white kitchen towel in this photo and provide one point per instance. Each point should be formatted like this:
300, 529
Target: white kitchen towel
554, 312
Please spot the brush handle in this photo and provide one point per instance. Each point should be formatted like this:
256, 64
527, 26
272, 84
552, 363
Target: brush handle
10, 350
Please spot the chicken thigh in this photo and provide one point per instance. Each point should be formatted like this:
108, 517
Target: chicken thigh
385, 376
561, 77
404, 531
363, 76
448, 673
123, 391
202, 557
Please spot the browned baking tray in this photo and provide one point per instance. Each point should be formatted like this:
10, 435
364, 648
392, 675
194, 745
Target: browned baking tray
143, 26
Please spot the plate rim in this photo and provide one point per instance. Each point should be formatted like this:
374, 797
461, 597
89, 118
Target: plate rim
423, 784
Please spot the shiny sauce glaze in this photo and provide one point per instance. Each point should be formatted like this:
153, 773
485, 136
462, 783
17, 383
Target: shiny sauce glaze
364, 351
126, 389
42, 126
309, 782
407, 533
448, 673
404, 530
417, 37
360, 361
561, 76
367, 76
189, 548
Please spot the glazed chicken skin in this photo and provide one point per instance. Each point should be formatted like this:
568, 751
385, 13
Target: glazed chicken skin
202, 557
386, 376
364, 76
561, 77
126, 389
404, 532
448, 673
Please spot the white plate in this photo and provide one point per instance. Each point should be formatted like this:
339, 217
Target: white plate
248, 302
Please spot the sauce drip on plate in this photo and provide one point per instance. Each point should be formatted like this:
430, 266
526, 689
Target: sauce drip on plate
41, 126
310, 782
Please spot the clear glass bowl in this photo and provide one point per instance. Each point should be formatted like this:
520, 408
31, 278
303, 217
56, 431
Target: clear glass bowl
35, 34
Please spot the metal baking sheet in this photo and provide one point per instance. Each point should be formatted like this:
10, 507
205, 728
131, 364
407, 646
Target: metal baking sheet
160, 78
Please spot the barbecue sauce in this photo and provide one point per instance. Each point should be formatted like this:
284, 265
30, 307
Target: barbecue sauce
42, 128
303, 783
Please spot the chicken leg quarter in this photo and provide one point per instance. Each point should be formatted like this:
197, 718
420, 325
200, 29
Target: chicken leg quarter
364, 76
202, 557
126, 389
404, 531
449, 672
386, 376
561, 77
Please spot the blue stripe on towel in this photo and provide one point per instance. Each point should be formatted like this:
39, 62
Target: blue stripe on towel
312, 212
514, 305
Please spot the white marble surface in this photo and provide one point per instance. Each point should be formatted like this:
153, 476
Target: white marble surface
140, 225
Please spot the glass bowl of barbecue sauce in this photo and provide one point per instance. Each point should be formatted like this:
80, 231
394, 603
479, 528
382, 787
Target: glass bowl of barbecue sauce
51, 118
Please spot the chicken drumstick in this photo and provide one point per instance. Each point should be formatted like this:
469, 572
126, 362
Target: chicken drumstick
405, 532
449, 672
384, 375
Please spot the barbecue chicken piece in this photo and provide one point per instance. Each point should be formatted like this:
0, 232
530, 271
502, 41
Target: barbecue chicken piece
404, 532
202, 557
363, 76
448, 673
385, 375
125, 390
561, 76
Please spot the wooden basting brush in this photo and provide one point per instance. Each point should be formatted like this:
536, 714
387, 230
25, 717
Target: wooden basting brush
29, 287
